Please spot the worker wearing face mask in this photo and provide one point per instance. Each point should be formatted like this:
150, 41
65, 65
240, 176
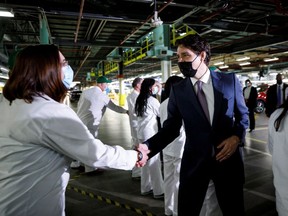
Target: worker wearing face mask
91, 108
38, 143
211, 107
147, 112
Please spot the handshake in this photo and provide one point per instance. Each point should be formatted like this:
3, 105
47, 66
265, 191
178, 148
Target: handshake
143, 152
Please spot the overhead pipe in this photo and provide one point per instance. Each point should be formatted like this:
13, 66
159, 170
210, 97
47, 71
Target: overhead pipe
146, 21
79, 20
3, 57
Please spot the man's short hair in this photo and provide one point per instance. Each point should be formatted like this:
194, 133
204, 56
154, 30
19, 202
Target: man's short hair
197, 44
136, 81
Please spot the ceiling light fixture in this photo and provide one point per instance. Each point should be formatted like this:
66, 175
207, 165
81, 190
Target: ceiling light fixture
4, 69
219, 63
271, 59
245, 63
6, 13
243, 58
224, 66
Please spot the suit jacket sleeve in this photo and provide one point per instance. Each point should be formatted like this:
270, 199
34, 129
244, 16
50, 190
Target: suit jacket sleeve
240, 112
169, 131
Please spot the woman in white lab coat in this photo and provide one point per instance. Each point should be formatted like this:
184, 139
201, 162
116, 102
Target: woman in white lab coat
39, 136
147, 111
278, 147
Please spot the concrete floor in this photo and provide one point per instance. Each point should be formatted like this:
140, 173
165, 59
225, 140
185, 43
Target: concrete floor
114, 193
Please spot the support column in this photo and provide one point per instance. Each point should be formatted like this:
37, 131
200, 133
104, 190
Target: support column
122, 96
44, 34
166, 69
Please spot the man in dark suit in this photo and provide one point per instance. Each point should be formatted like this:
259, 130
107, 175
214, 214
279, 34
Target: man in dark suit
213, 137
275, 95
250, 96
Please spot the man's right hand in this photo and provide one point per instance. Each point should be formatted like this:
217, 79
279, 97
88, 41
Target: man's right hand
145, 151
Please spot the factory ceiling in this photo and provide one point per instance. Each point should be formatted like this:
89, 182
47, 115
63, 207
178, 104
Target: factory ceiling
89, 31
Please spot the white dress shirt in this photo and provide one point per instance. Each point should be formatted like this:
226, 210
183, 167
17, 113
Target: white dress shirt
208, 90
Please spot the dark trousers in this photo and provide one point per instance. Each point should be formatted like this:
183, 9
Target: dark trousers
251, 118
228, 182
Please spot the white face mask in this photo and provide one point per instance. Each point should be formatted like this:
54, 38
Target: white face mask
68, 76
155, 90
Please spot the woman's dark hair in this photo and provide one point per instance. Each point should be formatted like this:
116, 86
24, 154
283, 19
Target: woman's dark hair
170, 81
277, 122
197, 44
145, 93
37, 71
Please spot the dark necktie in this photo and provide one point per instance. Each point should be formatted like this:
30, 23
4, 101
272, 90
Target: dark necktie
202, 99
279, 99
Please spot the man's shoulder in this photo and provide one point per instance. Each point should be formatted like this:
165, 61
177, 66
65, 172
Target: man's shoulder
132, 95
272, 87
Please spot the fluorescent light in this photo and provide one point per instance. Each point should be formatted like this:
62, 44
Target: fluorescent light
218, 63
224, 66
6, 13
217, 30
271, 59
4, 77
243, 58
4, 69
273, 74
244, 63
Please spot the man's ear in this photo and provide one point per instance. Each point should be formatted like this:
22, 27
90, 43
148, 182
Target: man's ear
203, 55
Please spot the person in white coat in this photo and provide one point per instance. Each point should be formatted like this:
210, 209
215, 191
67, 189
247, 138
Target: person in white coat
278, 147
147, 111
92, 106
39, 136
131, 100
172, 155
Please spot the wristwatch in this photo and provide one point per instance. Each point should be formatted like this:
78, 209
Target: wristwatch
140, 156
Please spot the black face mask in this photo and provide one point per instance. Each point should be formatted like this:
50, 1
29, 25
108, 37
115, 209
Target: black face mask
279, 82
186, 68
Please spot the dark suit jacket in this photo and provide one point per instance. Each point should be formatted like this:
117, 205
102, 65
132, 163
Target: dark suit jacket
251, 103
184, 105
271, 98
198, 162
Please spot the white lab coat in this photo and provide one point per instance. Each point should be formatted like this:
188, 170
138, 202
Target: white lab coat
147, 124
37, 142
278, 147
92, 106
131, 101
151, 175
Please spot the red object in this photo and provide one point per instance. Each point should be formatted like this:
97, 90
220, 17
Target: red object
261, 99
